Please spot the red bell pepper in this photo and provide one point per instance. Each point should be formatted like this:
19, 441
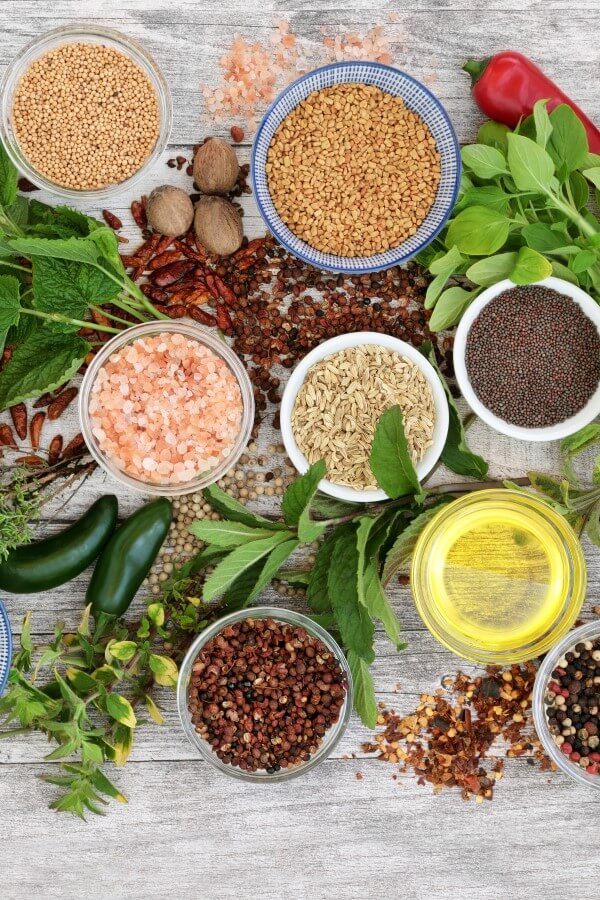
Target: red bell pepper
507, 85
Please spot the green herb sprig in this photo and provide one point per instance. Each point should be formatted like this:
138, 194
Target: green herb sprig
56, 266
522, 213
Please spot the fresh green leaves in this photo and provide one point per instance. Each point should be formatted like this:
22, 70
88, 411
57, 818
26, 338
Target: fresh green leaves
364, 690
8, 179
297, 502
45, 359
523, 207
10, 306
236, 563
390, 459
70, 288
351, 616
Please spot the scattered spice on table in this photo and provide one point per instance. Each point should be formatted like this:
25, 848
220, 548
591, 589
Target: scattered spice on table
352, 170
573, 705
165, 408
85, 116
341, 400
448, 740
533, 356
264, 693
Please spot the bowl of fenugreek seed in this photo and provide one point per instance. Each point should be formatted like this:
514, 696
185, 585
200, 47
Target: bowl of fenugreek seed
85, 112
335, 397
355, 167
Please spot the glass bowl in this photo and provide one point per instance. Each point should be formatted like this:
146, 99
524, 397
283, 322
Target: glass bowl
417, 98
590, 631
208, 339
553, 573
86, 33
330, 739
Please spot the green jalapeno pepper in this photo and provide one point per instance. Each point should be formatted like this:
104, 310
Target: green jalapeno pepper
127, 558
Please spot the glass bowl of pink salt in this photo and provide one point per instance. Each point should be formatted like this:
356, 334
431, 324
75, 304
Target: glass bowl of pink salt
166, 408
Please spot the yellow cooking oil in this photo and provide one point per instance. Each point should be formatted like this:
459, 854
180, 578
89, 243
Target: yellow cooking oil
498, 576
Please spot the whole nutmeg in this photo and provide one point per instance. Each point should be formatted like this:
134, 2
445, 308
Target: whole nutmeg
215, 167
169, 210
218, 225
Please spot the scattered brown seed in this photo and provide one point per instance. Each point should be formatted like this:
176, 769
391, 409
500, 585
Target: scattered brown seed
73, 447
58, 406
237, 134
7, 438
18, 414
54, 449
35, 429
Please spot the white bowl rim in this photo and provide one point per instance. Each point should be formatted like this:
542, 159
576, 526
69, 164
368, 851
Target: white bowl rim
552, 432
342, 342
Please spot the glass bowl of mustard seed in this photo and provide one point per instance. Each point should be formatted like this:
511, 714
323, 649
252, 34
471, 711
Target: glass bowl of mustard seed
85, 112
566, 704
264, 694
527, 359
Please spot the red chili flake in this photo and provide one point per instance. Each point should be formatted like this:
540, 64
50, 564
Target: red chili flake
163, 259
224, 319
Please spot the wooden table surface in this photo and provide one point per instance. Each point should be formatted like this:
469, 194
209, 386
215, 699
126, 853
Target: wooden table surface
188, 831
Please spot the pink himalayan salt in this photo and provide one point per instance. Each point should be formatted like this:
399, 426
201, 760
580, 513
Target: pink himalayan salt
165, 409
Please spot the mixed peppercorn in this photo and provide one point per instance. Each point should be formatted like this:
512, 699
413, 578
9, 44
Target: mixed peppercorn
263, 693
573, 705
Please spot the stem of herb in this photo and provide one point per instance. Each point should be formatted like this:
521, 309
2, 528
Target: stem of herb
13, 265
109, 315
56, 317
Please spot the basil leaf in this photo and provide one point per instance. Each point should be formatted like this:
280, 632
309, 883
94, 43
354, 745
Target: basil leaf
456, 454
450, 307
530, 266
45, 359
447, 263
297, 500
530, 165
390, 460
543, 125
236, 563
478, 231
494, 135
561, 271
229, 508
401, 551
10, 306
488, 271
69, 287
76, 249
353, 620
488, 195
485, 162
593, 175
8, 179
585, 437
579, 190
582, 261
542, 238
568, 142
365, 703
226, 534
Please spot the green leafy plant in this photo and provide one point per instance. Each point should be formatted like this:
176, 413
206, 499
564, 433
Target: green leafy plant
19, 507
522, 214
57, 266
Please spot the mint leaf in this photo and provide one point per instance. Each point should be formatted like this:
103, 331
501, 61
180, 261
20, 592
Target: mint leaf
378, 605
354, 623
69, 287
10, 306
364, 690
259, 575
77, 249
390, 460
317, 595
401, 551
297, 501
227, 534
44, 360
456, 454
8, 179
330, 507
236, 563
229, 508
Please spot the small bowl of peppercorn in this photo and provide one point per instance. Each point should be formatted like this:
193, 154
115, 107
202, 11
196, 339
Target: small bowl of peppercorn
527, 359
264, 694
566, 704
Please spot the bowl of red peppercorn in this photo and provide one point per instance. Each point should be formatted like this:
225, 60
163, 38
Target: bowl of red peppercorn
527, 359
566, 704
264, 694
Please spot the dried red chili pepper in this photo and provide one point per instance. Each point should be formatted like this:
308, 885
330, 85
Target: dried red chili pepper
225, 292
212, 285
199, 315
175, 312
153, 293
139, 214
74, 446
163, 259
35, 429
44, 400
58, 406
54, 449
18, 414
26, 186
7, 438
111, 220
171, 273
224, 319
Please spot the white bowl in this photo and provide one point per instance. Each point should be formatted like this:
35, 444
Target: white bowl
551, 432
358, 339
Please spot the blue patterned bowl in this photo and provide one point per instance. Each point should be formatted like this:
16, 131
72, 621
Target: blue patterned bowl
5, 647
418, 98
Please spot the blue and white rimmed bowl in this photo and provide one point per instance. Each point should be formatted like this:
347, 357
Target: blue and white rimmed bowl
5, 647
417, 98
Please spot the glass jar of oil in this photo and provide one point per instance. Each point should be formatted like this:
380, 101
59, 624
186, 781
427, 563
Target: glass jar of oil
498, 576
